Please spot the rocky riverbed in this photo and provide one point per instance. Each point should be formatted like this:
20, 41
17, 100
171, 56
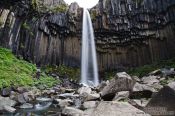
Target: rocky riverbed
123, 95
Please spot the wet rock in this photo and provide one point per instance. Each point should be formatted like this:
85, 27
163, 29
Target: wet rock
50, 92
6, 101
44, 99
116, 109
70, 90
163, 99
43, 105
78, 102
9, 109
121, 96
89, 104
68, 95
69, 111
63, 103
26, 106
168, 72
121, 82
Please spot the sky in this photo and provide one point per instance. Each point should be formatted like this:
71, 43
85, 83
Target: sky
83, 3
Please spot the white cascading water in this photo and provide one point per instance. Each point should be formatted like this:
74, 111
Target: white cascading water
89, 68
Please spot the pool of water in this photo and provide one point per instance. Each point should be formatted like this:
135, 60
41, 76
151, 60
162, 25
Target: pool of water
40, 109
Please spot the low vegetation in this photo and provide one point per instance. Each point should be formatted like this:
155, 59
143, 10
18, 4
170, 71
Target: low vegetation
63, 71
38, 5
142, 71
16, 72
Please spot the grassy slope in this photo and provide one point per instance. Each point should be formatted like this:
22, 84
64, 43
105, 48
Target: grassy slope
15, 72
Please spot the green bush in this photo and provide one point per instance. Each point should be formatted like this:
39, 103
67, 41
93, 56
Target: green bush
93, 14
59, 9
26, 26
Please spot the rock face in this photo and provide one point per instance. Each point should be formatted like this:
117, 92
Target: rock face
128, 32
164, 100
116, 109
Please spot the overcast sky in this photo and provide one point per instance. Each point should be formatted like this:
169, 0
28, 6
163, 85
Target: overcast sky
84, 3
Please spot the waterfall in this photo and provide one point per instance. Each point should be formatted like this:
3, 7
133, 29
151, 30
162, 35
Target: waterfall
89, 68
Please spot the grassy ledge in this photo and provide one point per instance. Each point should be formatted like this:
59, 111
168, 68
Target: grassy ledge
16, 72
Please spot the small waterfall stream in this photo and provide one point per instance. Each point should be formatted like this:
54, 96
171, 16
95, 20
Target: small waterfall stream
89, 68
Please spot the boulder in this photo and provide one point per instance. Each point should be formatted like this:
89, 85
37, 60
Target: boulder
139, 103
6, 92
70, 90
102, 85
168, 72
150, 80
121, 82
22, 89
89, 104
111, 108
63, 103
82, 90
121, 96
163, 100
21, 99
142, 91
70, 111
67, 95
6, 101
9, 109
89, 97
142, 87
155, 72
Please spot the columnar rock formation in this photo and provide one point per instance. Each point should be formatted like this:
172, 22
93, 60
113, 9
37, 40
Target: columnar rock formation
128, 32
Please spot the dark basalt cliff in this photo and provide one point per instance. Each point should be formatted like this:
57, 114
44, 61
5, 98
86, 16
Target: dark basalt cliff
128, 33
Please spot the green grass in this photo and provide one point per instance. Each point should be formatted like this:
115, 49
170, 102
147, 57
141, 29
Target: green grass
143, 70
46, 81
16, 72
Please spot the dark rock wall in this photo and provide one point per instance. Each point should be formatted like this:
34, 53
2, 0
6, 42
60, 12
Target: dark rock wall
128, 33
134, 32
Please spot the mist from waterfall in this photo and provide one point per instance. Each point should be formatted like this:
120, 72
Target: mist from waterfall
89, 68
